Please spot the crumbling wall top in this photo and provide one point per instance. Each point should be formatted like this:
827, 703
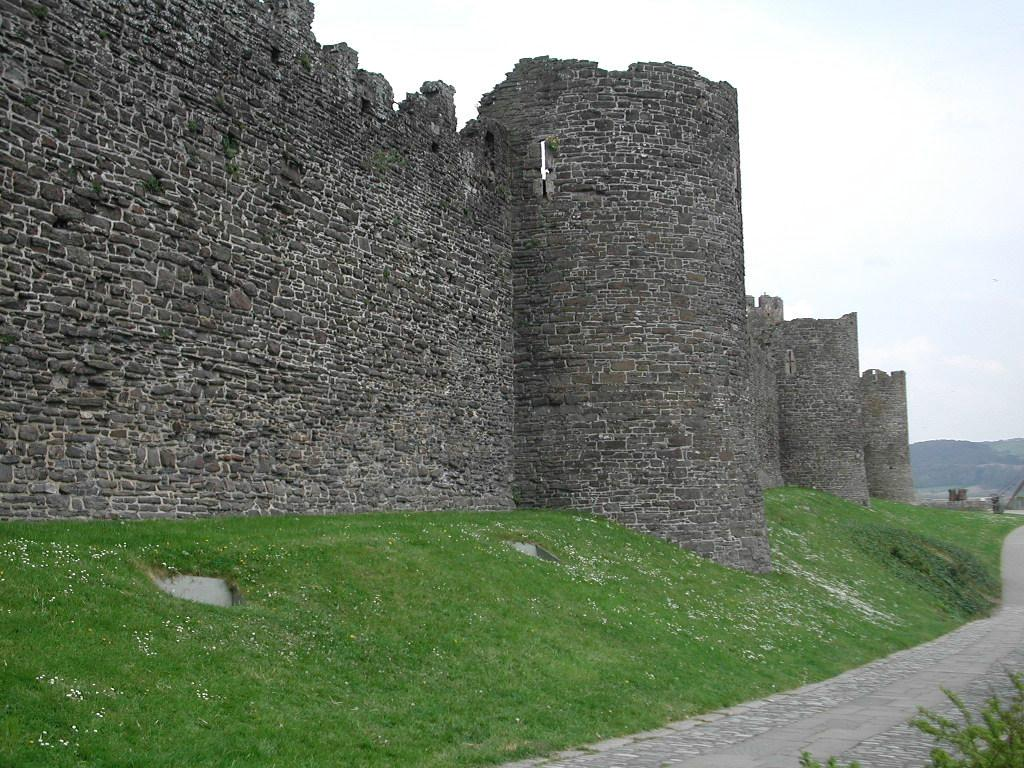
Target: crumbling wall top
769, 309
551, 73
877, 375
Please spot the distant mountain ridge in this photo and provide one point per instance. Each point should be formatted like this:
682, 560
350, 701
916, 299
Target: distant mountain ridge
1014, 447
983, 467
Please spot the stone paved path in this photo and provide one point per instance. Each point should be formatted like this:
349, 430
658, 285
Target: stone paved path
859, 715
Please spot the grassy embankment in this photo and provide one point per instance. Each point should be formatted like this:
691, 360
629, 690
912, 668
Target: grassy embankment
423, 639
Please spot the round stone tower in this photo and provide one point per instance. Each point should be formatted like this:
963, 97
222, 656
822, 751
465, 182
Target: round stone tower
632, 358
821, 432
886, 440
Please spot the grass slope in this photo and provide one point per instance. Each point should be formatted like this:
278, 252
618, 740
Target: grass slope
423, 639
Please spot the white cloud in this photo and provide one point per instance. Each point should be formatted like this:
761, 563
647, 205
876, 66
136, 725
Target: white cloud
794, 309
917, 352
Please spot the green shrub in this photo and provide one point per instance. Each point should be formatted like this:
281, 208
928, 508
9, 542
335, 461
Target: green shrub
231, 146
992, 739
383, 160
806, 761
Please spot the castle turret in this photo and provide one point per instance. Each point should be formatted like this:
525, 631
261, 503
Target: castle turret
632, 359
886, 439
821, 433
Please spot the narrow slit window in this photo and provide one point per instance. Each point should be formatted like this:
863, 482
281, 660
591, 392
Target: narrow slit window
544, 168
790, 362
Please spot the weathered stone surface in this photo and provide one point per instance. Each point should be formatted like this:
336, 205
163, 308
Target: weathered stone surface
816, 422
238, 300
886, 435
763, 325
199, 589
234, 279
821, 429
632, 356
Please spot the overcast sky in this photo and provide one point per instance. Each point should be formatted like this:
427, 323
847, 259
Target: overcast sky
882, 152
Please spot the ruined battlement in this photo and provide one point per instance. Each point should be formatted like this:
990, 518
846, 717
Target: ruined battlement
882, 377
767, 312
237, 278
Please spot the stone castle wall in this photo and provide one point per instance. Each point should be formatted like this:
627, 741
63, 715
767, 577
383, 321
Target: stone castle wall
815, 422
631, 350
235, 280
764, 330
821, 431
886, 439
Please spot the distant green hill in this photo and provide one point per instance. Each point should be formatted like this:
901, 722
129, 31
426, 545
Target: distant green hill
1014, 447
984, 468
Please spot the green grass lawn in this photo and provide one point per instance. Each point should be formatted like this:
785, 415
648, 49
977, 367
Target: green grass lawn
424, 639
